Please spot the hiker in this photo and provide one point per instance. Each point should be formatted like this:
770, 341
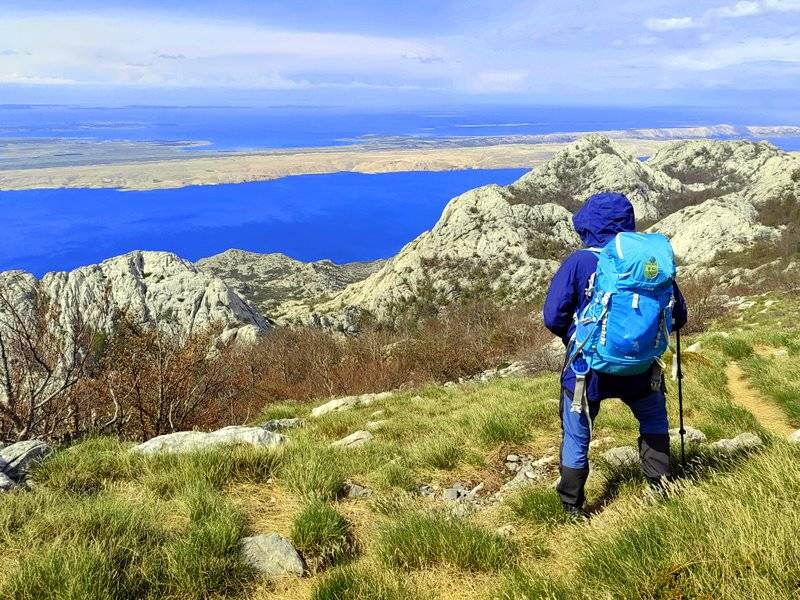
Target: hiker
598, 222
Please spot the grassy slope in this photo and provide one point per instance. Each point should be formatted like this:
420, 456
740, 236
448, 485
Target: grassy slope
102, 523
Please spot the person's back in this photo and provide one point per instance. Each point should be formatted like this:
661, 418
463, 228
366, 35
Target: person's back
601, 218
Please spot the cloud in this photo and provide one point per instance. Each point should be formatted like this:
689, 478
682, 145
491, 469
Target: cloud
671, 23
171, 56
423, 58
749, 8
753, 50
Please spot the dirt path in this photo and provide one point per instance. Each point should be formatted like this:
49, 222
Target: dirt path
771, 417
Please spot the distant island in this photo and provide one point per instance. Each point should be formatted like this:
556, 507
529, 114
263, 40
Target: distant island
132, 165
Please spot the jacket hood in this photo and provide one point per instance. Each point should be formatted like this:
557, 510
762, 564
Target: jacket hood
603, 216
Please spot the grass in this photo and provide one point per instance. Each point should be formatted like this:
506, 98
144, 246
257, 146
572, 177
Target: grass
348, 583
103, 522
425, 540
322, 535
538, 505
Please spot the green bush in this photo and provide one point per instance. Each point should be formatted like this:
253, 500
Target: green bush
322, 535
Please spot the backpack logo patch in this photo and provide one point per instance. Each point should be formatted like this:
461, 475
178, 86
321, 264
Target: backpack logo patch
651, 268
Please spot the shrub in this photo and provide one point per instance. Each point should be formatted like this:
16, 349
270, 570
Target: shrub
735, 348
322, 535
423, 540
440, 452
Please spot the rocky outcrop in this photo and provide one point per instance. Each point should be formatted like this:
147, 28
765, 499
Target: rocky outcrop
275, 282
193, 441
712, 198
152, 288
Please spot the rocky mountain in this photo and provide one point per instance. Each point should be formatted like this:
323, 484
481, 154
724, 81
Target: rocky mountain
150, 287
276, 283
712, 198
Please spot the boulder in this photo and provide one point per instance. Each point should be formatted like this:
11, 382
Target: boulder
692, 436
375, 425
282, 424
272, 555
16, 459
191, 441
354, 440
743, 442
623, 456
348, 402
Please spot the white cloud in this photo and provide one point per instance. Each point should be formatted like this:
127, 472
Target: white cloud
749, 51
749, 8
142, 49
671, 23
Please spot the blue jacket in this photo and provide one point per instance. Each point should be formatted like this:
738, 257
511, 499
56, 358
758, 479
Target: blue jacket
602, 217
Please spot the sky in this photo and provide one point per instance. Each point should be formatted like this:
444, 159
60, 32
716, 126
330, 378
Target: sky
385, 52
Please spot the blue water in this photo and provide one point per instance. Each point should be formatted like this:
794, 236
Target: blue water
342, 216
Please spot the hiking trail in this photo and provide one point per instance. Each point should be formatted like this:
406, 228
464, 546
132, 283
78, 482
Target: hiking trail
768, 414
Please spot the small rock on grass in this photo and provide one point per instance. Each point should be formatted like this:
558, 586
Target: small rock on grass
354, 440
741, 443
353, 490
272, 555
693, 435
623, 456
281, 424
794, 438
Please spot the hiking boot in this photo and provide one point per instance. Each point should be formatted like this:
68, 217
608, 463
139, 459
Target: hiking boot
575, 513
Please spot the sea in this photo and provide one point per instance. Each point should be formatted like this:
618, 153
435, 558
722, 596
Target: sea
340, 216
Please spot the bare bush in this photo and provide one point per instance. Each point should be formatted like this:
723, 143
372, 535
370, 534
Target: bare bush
44, 355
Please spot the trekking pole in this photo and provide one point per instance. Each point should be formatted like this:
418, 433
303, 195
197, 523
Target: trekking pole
682, 431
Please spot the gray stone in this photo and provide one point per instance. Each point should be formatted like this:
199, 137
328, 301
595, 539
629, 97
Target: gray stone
353, 490
17, 459
506, 530
281, 424
375, 425
694, 347
693, 435
741, 443
347, 403
536, 472
272, 555
455, 492
354, 440
780, 353
512, 458
426, 490
794, 438
192, 441
6, 483
623, 456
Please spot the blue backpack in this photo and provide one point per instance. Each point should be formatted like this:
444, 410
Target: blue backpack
625, 327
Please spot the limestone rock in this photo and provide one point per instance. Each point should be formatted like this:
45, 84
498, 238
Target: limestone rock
743, 442
272, 555
17, 459
794, 438
622, 457
282, 424
348, 402
692, 436
354, 490
354, 440
273, 282
146, 286
375, 425
192, 441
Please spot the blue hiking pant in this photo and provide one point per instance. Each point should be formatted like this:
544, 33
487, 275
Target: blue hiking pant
648, 406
